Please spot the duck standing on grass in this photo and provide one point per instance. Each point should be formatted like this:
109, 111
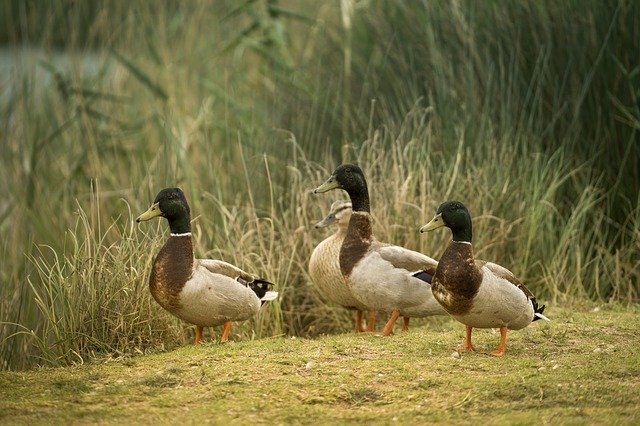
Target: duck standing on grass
203, 292
477, 293
383, 277
324, 265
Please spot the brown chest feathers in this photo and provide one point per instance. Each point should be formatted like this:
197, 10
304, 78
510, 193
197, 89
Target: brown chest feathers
171, 269
356, 243
457, 279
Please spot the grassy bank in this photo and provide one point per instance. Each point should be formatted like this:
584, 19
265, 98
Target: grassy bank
582, 367
526, 113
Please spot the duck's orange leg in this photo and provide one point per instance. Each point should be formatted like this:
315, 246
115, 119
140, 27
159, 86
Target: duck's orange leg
503, 342
371, 321
405, 323
198, 335
388, 328
359, 327
225, 331
467, 341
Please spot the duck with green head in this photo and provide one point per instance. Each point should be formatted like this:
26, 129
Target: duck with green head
203, 292
479, 294
324, 266
381, 276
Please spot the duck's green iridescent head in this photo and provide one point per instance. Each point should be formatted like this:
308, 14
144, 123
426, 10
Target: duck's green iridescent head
350, 178
455, 216
171, 204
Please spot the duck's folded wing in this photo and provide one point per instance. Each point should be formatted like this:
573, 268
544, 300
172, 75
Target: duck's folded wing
502, 272
224, 268
410, 260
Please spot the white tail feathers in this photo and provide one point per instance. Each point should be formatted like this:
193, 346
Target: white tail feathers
541, 316
272, 295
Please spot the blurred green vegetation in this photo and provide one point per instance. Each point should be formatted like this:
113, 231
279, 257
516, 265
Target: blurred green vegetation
526, 111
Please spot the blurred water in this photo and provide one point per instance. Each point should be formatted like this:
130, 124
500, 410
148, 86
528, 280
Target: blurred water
36, 67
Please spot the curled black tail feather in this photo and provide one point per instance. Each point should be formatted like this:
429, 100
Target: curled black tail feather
537, 310
260, 287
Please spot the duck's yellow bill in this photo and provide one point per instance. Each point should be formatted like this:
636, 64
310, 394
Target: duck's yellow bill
331, 183
153, 211
434, 223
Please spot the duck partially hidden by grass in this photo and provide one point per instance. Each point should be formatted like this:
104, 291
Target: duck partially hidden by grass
381, 276
203, 292
324, 265
479, 294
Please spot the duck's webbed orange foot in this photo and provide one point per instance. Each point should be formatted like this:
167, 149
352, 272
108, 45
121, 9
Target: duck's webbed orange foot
467, 346
198, 335
225, 331
371, 321
388, 328
405, 323
359, 326
502, 344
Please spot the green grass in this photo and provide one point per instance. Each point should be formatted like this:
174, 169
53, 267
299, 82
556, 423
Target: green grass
526, 112
581, 367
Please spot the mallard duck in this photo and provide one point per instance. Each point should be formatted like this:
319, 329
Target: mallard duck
479, 294
204, 292
382, 276
324, 268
